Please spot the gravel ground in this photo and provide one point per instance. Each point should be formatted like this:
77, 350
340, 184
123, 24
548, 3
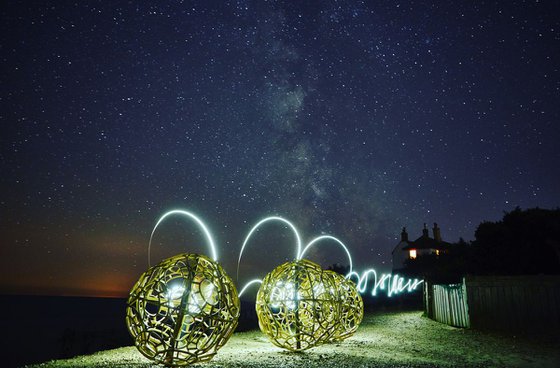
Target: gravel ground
403, 339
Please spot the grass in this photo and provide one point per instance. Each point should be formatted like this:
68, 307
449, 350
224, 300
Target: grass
394, 339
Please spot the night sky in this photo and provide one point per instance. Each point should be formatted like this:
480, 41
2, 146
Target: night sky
349, 118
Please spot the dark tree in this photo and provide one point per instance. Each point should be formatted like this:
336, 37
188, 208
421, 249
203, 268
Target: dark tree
524, 242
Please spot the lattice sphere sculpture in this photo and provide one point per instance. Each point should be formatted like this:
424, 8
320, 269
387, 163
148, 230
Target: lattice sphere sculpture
297, 306
182, 310
351, 306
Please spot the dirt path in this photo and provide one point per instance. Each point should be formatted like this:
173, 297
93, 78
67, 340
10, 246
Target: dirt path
404, 339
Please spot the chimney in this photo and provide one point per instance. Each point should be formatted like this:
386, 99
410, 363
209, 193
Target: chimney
404, 235
437, 233
425, 233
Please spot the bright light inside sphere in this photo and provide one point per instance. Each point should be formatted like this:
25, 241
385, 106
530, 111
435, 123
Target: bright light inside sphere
174, 295
195, 303
318, 290
208, 292
283, 294
200, 294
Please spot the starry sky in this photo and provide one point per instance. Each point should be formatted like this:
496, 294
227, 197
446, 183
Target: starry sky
349, 118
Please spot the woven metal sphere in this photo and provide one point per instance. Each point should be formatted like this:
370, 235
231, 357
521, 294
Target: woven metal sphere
182, 310
351, 306
297, 306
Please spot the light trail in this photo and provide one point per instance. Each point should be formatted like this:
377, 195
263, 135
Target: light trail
393, 284
247, 285
261, 222
327, 237
196, 220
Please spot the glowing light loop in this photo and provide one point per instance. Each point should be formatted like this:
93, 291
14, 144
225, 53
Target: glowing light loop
196, 220
249, 284
327, 237
259, 224
392, 284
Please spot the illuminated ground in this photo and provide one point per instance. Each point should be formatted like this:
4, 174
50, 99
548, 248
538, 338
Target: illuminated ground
404, 339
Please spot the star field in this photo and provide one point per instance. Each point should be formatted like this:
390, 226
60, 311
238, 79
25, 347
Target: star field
348, 118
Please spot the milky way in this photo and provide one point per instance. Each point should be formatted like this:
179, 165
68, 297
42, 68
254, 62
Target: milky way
349, 118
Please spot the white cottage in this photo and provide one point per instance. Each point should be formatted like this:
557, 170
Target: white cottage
424, 245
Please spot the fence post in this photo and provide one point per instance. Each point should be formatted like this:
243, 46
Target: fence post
425, 299
465, 304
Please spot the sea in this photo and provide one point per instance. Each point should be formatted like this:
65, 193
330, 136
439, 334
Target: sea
36, 329
40, 328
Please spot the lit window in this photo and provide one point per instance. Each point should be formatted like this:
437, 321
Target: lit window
437, 252
412, 254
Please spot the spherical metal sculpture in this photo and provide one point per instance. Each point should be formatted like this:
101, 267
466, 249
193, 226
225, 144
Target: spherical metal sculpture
297, 305
182, 310
351, 306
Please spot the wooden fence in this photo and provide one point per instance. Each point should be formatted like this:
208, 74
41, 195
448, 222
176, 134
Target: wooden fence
514, 303
502, 303
447, 304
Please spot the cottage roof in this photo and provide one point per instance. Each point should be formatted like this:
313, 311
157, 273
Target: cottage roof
425, 242
401, 245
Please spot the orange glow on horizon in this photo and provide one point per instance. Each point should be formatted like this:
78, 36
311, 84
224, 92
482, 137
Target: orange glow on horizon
101, 285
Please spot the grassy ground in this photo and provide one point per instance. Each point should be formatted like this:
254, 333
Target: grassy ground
404, 339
